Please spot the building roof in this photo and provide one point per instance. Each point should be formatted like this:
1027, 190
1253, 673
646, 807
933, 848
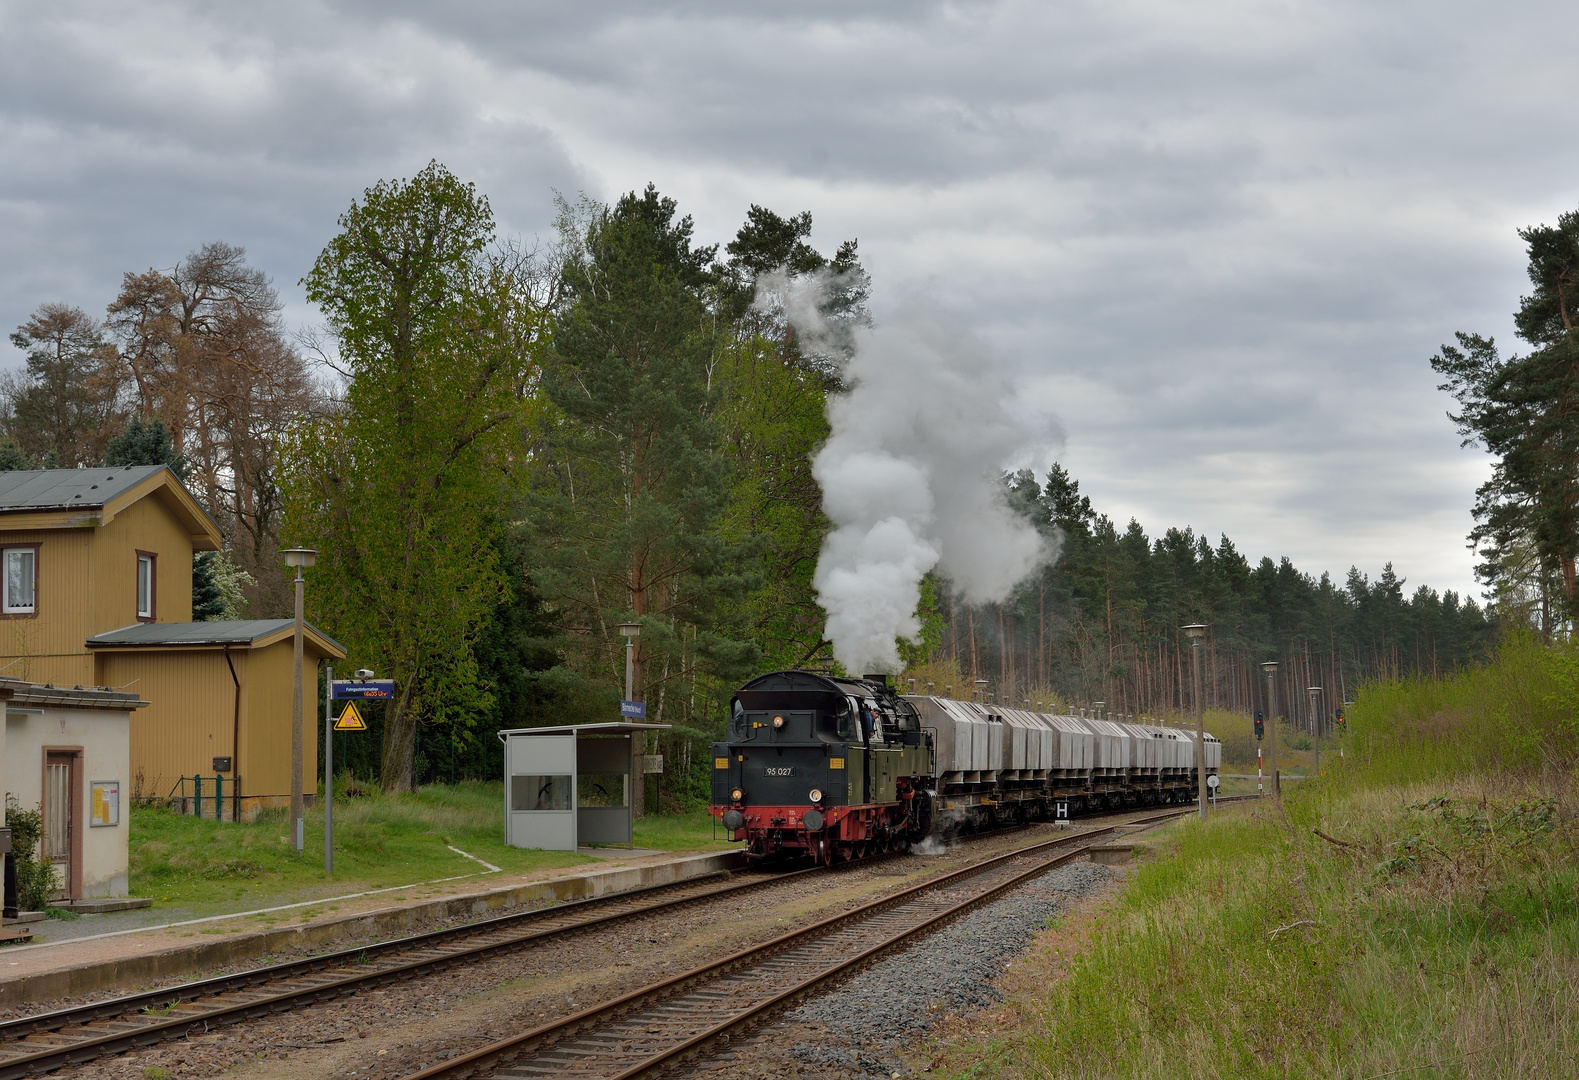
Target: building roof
15, 692
88, 497
60, 489
245, 633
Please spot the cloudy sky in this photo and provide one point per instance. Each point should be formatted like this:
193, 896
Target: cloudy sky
1220, 239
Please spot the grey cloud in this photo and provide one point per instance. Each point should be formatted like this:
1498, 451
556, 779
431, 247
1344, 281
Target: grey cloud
1222, 237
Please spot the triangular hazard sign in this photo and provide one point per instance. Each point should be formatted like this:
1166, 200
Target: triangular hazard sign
350, 719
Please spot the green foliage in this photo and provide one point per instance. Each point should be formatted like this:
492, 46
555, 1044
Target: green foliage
1517, 711
35, 875
1525, 412
218, 586
208, 599
13, 457
771, 411
401, 488
627, 521
65, 402
145, 443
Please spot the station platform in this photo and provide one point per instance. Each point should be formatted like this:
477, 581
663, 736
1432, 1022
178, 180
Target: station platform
129, 958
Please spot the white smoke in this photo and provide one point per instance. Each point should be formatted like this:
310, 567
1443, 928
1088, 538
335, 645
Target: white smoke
910, 473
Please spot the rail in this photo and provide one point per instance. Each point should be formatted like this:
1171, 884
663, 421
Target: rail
32, 1045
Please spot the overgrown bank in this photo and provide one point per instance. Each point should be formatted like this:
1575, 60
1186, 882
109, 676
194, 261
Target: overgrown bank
1414, 914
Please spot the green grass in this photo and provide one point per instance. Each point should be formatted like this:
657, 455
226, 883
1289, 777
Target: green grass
1414, 913
206, 867
693, 831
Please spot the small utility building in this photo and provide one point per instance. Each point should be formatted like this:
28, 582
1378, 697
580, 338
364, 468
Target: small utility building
96, 592
68, 754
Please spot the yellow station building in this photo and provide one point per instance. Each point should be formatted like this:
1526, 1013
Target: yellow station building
96, 592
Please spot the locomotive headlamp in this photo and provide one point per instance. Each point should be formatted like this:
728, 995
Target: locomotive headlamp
815, 795
778, 721
736, 795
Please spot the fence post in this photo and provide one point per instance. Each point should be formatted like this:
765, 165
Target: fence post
197, 795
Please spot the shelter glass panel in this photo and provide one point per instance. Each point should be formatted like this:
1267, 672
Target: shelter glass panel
603, 789
540, 792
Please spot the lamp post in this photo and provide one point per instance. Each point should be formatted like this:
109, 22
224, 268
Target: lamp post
981, 691
1196, 631
1315, 725
301, 558
630, 631
1270, 668
1096, 707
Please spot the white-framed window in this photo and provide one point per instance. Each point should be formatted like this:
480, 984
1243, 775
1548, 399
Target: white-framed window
20, 584
145, 586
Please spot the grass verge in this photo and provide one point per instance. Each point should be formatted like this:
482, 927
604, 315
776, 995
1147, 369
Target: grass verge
206, 867
1424, 930
1414, 913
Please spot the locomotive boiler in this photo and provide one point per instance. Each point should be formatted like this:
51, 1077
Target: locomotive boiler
837, 768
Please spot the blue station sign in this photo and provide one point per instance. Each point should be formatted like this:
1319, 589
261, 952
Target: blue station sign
633, 710
363, 690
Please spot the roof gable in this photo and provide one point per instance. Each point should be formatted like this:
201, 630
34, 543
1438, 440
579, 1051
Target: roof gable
84, 498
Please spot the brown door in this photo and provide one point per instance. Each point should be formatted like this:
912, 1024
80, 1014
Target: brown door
60, 781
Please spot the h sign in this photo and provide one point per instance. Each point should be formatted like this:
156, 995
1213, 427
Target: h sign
1061, 810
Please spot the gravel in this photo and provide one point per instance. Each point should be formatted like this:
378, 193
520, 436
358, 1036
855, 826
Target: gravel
894, 1001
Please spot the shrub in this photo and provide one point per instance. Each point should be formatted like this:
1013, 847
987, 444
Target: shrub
35, 876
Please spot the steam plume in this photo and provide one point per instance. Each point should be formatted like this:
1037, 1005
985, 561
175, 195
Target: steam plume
910, 474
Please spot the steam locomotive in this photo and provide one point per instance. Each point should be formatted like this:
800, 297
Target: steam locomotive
840, 768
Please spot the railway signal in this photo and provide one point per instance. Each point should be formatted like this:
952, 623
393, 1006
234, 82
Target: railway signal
1260, 725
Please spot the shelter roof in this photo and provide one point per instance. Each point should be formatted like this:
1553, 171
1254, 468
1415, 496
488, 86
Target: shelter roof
243, 633
611, 728
15, 692
77, 498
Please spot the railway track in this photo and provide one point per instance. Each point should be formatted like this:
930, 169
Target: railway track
34, 1045
651, 1029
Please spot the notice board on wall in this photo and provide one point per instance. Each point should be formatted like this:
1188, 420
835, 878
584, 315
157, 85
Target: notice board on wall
106, 803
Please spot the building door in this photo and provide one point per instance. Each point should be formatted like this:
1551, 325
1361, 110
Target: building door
60, 781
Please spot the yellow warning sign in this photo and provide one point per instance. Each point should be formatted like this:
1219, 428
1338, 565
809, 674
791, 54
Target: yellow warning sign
350, 719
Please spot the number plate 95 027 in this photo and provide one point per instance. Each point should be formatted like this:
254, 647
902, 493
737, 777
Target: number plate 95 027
780, 770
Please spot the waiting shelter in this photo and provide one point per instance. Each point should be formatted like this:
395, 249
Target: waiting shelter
570, 785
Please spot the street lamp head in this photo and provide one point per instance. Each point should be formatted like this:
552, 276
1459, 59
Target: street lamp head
1269, 666
1314, 689
1195, 632
981, 682
300, 556
630, 629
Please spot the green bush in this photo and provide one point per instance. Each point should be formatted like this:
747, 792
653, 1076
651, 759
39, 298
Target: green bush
35, 876
1518, 711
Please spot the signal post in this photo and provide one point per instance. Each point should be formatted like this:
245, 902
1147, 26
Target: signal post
1270, 667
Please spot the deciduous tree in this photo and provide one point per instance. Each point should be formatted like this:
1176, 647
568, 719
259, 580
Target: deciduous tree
400, 486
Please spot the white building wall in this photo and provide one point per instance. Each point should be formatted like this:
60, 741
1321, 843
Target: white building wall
105, 738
